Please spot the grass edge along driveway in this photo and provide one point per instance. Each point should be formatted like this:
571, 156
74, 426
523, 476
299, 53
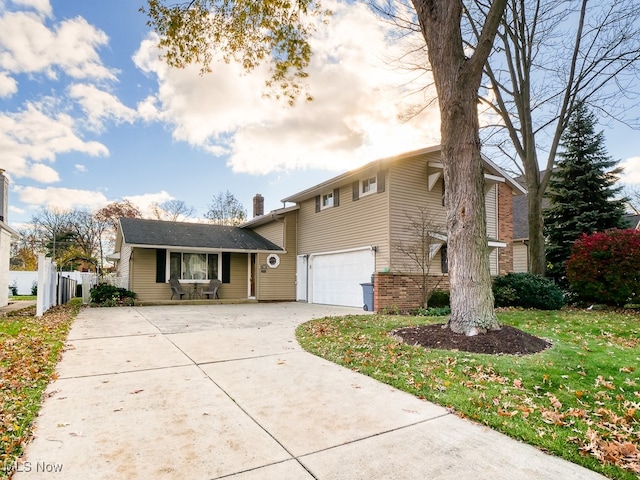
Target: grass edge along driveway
579, 400
30, 348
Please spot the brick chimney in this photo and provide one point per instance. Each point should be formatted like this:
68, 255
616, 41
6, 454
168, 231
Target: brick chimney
4, 196
258, 205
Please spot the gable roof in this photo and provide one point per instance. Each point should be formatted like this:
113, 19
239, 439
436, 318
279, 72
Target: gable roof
382, 163
159, 233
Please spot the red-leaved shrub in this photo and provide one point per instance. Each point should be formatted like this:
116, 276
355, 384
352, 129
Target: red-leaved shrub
604, 267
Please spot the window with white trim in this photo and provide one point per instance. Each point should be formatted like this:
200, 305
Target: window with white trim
193, 266
369, 185
327, 200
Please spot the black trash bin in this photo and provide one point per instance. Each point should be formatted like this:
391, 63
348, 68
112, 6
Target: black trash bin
367, 294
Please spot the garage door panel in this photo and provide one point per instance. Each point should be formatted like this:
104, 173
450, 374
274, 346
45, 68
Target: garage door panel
336, 278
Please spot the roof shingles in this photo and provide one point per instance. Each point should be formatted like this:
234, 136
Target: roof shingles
136, 231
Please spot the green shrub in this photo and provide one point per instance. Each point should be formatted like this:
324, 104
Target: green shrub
111, 296
438, 299
528, 291
34, 288
432, 311
604, 267
14, 289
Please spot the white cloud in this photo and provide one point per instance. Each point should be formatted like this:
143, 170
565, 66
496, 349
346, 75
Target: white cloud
144, 201
43, 173
8, 86
99, 106
354, 118
31, 136
63, 199
631, 173
41, 6
80, 168
29, 46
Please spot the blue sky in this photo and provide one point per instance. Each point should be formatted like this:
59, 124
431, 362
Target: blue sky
89, 115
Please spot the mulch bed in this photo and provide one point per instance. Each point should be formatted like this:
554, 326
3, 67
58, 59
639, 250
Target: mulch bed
507, 340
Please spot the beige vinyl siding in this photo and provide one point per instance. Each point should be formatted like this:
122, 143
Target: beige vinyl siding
239, 278
274, 232
409, 192
520, 257
491, 205
352, 224
143, 276
279, 283
142, 279
123, 263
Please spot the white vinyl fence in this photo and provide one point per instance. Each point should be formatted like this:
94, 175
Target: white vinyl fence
47, 285
53, 288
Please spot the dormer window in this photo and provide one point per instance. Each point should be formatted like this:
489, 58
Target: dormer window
369, 185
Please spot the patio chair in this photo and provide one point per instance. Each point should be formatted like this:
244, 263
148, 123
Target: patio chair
212, 290
176, 288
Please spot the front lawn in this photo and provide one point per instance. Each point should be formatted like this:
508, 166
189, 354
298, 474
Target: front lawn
29, 350
580, 399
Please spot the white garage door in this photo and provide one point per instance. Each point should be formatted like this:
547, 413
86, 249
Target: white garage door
335, 278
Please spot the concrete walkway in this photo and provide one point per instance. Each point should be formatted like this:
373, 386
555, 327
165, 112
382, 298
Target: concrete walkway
225, 391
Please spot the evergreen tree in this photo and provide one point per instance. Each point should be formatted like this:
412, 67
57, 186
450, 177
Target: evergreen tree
581, 191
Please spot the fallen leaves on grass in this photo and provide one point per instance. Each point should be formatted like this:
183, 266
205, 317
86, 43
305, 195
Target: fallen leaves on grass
618, 452
578, 399
29, 349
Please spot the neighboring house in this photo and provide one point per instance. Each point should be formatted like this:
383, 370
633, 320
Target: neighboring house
7, 236
336, 235
521, 232
633, 220
521, 229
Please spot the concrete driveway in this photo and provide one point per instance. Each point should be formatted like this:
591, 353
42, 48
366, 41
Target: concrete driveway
225, 391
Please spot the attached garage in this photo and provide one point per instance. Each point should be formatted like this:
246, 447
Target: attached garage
334, 278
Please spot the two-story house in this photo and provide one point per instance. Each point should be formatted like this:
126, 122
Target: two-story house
332, 238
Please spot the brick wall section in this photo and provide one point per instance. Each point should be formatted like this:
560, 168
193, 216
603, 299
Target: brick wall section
505, 228
393, 291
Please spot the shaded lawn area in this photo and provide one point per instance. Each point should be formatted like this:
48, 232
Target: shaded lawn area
579, 399
29, 350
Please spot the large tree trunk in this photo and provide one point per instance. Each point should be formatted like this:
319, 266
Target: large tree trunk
457, 79
537, 259
536, 185
472, 302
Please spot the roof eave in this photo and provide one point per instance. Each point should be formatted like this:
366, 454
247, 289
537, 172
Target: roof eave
345, 177
206, 249
269, 217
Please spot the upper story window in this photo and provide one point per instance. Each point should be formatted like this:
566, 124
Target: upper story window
327, 200
369, 185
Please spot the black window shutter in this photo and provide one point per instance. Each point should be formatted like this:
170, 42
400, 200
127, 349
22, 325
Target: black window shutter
317, 203
161, 265
444, 259
381, 182
336, 197
226, 267
356, 190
